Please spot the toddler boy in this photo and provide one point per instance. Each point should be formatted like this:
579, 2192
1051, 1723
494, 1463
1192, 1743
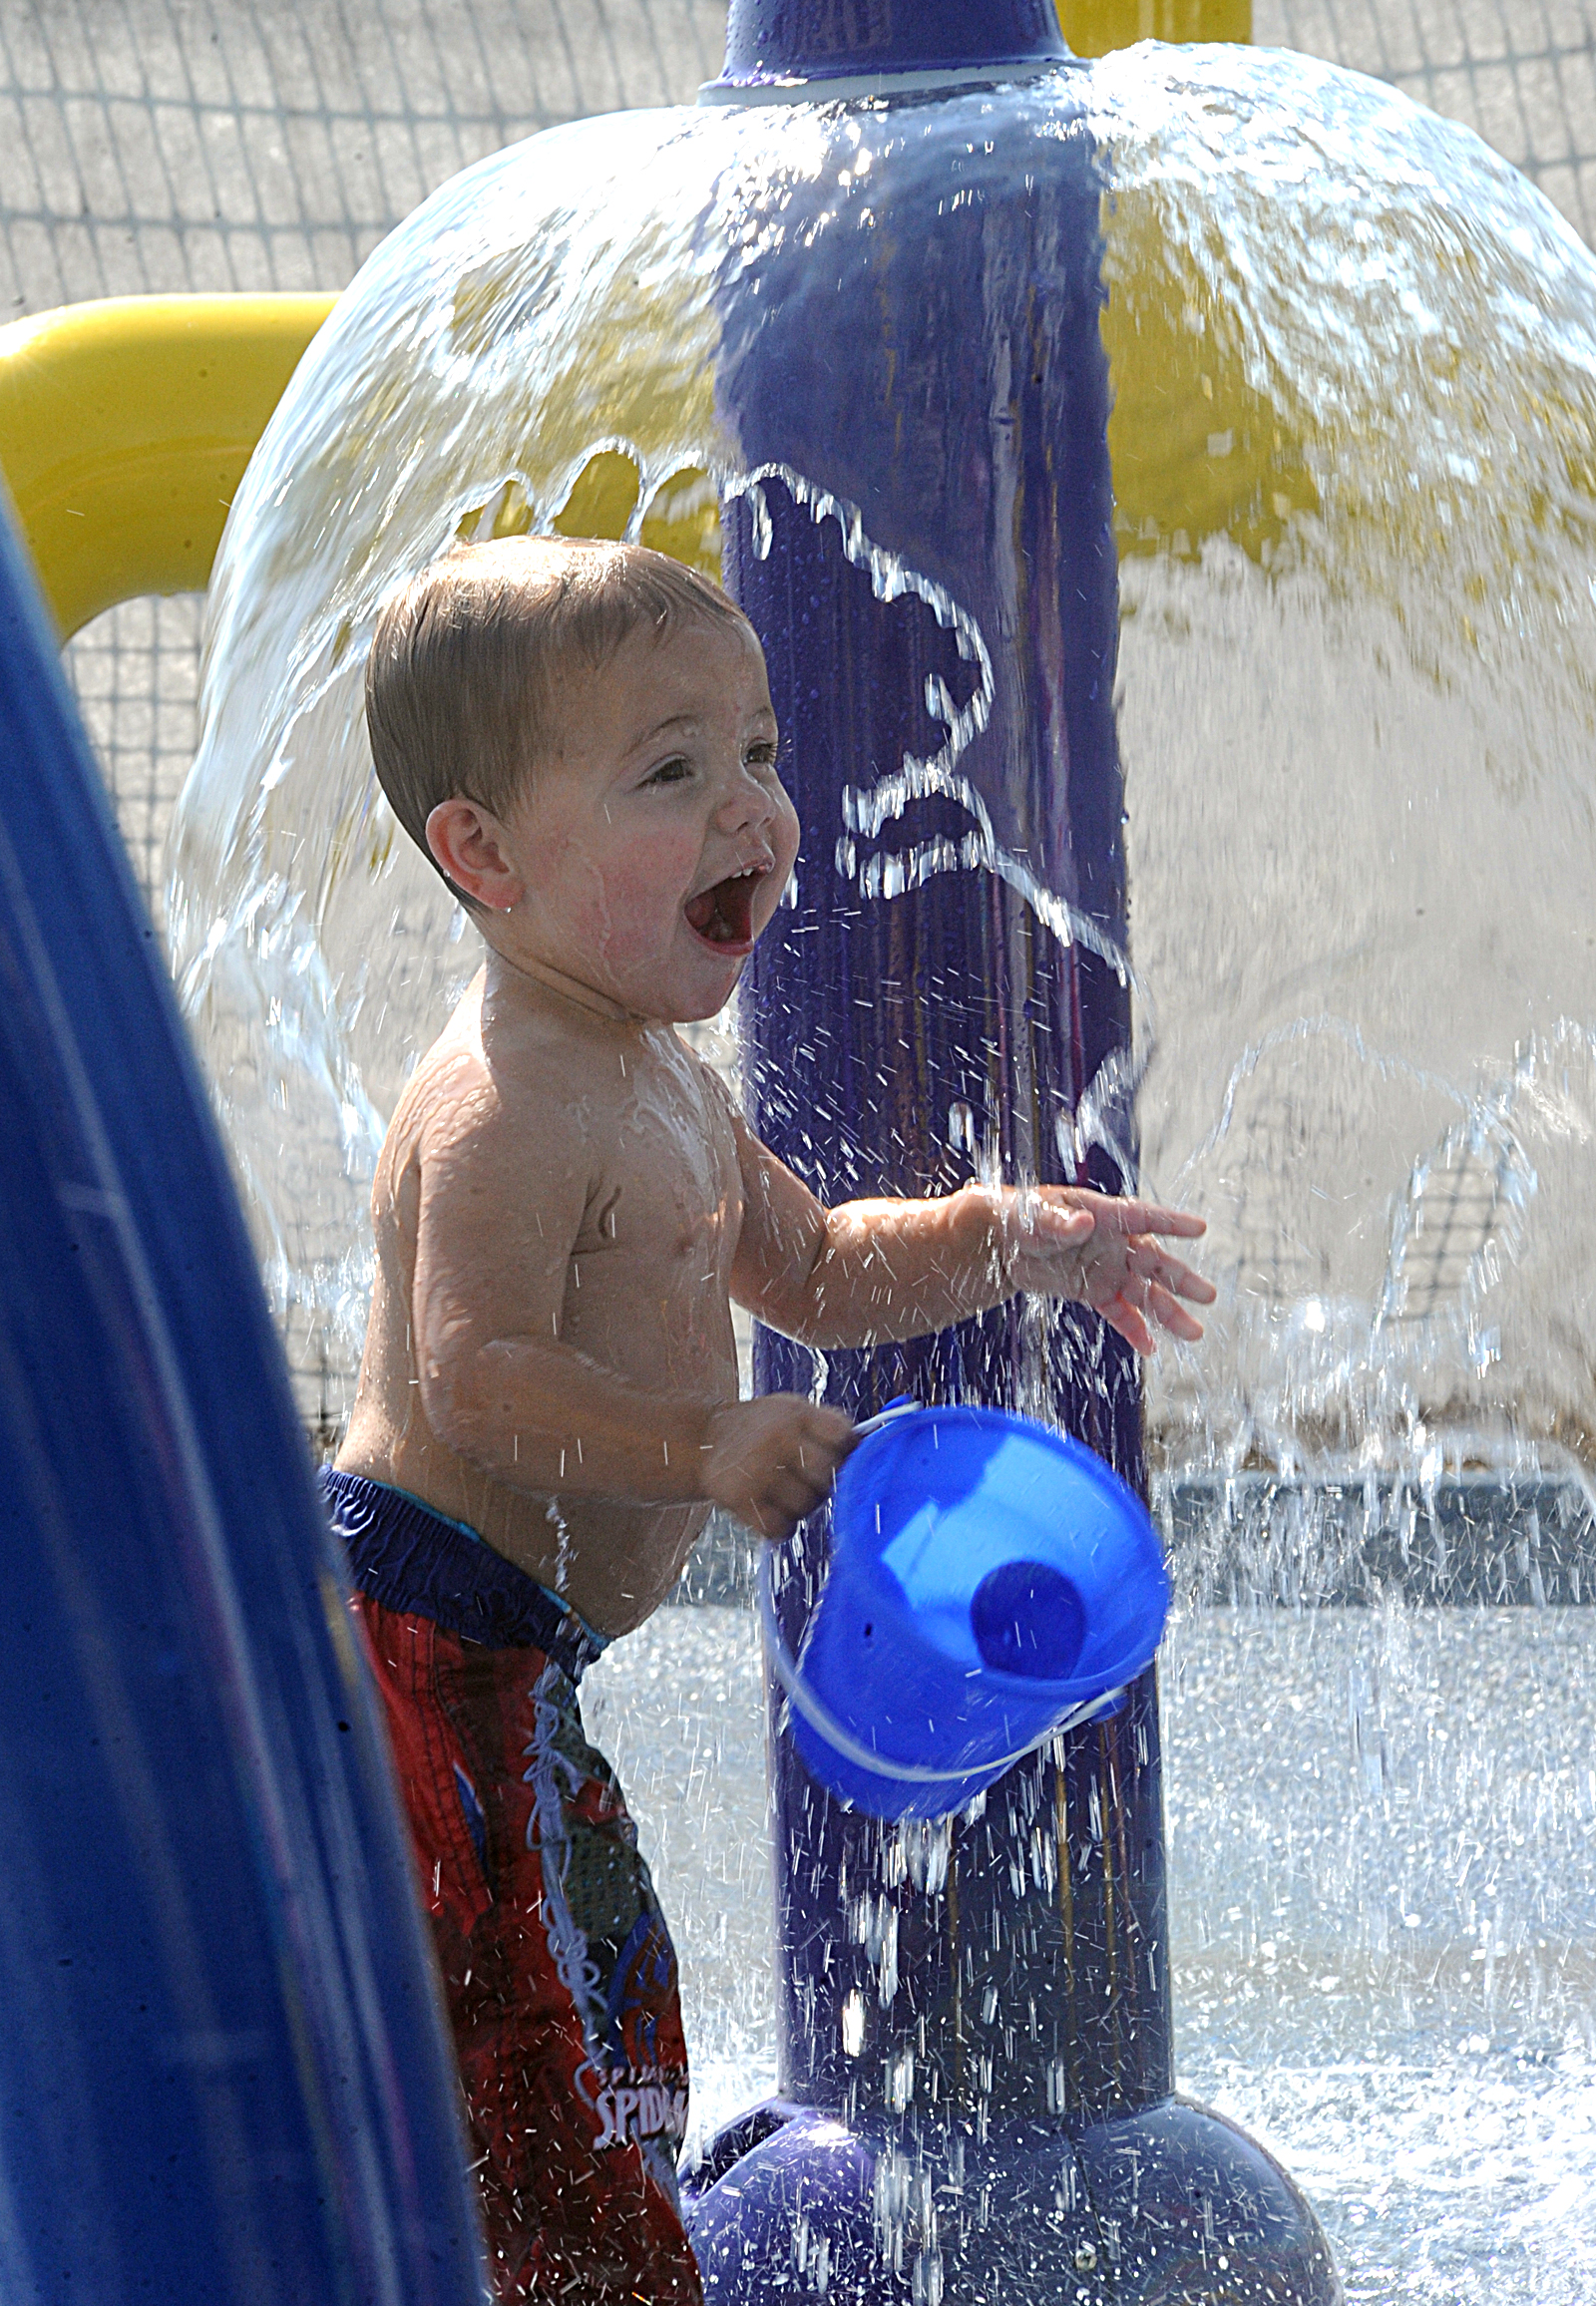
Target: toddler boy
580, 738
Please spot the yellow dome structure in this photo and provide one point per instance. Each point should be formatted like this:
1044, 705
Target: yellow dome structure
126, 424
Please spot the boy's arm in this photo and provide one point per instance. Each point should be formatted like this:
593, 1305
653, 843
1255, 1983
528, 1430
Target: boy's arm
872, 1272
498, 1388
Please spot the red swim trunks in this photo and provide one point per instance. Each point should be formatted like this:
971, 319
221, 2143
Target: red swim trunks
559, 1970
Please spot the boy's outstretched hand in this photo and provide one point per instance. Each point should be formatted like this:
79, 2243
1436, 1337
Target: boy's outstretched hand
1064, 1240
770, 1462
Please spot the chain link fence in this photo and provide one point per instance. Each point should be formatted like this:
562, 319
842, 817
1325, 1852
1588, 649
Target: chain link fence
152, 146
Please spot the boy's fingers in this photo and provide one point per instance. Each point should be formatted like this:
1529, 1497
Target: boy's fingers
1150, 1292
1196, 1285
1150, 1217
799, 1494
823, 1419
1173, 1316
1123, 1317
777, 1512
795, 1494
827, 1435
816, 1462
1059, 1218
1171, 1274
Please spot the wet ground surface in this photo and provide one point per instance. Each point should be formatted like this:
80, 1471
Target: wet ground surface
1382, 1844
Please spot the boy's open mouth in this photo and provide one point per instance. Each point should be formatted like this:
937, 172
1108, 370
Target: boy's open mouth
724, 914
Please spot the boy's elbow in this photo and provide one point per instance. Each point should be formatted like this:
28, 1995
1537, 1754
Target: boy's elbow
802, 1326
809, 1320
793, 1307
452, 1406
805, 1306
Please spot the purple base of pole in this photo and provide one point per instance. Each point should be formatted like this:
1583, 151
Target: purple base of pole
1170, 2203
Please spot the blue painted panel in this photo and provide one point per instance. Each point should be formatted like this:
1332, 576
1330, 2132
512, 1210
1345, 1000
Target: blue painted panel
222, 2072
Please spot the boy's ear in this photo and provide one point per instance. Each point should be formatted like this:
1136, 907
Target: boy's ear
468, 845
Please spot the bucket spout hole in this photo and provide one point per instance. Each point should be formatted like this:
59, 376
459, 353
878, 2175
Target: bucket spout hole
1027, 1618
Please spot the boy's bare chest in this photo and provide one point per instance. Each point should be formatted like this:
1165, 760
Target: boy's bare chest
666, 1207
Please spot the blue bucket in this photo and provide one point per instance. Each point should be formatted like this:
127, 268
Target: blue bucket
992, 1583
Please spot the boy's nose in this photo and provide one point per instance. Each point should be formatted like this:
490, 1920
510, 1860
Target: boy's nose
747, 801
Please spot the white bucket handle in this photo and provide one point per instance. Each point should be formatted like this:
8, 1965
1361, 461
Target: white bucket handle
878, 1766
887, 1416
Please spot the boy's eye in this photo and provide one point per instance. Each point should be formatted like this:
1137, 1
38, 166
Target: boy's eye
669, 773
762, 755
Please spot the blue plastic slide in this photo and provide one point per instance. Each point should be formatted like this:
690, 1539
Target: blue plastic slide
222, 2070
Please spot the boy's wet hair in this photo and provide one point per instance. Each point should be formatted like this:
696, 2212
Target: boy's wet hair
463, 681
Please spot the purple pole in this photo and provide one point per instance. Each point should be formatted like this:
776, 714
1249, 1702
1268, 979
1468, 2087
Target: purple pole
976, 2068
771, 41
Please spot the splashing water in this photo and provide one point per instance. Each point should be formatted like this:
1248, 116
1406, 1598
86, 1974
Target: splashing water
1355, 454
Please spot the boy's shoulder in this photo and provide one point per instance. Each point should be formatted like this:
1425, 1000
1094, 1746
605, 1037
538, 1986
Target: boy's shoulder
530, 1074
463, 1081
507, 1061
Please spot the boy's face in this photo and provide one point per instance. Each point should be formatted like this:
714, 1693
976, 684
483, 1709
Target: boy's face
655, 840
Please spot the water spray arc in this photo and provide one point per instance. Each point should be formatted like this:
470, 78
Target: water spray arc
223, 2019
975, 2033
